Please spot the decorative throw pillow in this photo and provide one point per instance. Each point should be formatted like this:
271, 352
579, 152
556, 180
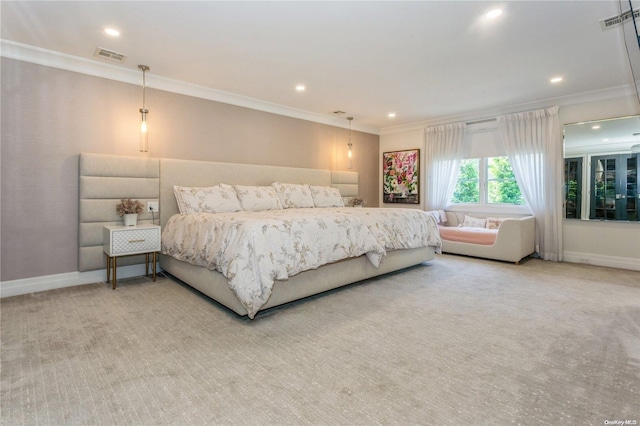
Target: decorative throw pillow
473, 222
326, 196
495, 222
258, 198
213, 199
293, 196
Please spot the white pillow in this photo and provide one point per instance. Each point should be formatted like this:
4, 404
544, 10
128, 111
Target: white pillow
326, 196
213, 199
434, 214
293, 196
258, 198
443, 216
473, 222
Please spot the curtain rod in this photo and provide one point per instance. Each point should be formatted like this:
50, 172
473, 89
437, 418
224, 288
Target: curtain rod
495, 118
482, 120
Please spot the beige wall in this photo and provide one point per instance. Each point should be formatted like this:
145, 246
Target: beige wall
49, 116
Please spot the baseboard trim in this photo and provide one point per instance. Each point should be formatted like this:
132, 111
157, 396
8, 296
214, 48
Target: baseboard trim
602, 260
70, 279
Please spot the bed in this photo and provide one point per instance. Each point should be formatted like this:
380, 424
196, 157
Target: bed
107, 178
309, 282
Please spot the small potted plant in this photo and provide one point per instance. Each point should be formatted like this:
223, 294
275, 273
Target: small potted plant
357, 201
129, 209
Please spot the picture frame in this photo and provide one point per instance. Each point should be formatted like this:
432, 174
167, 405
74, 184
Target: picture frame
401, 176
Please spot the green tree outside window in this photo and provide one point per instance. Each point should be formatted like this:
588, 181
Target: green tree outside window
468, 186
487, 181
503, 188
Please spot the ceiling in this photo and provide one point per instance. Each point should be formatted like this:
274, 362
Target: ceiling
423, 60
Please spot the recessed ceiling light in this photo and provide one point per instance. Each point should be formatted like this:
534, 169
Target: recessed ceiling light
300, 88
494, 13
605, 140
391, 115
556, 80
596, 127
112, 32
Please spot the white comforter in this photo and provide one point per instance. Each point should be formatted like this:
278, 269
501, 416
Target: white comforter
253, 249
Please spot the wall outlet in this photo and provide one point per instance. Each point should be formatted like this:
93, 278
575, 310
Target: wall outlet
152, 206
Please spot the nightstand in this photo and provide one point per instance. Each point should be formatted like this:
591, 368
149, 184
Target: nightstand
128, 241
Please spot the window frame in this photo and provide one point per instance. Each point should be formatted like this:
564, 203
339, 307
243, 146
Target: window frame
484, 206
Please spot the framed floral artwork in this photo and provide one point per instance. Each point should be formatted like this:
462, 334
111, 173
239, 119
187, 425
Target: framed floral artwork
400, 177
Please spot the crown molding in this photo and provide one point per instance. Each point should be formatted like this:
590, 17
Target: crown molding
36, 55
27, 53
579, 98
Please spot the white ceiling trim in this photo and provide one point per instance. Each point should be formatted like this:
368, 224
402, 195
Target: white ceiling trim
36, 55
591, 96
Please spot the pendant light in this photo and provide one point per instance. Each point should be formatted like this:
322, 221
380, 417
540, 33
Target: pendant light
350, 144
144, 134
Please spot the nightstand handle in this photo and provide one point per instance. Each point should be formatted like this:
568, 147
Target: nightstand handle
136, 241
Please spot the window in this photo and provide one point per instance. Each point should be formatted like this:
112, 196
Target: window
573, 187
487, 180
614, 187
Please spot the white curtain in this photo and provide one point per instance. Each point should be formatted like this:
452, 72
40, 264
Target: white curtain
533, 143
443, 152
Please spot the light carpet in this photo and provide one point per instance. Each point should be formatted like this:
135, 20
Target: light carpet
454, 341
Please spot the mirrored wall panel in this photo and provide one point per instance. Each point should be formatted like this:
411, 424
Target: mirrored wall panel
601, 169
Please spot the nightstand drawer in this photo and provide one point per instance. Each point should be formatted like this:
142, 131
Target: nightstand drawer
120, 241
135, 240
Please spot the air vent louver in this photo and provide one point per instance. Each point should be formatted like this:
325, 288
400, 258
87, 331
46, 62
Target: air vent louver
614, 21
109, 54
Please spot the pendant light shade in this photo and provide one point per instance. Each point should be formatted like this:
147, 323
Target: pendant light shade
144, 125
350, 145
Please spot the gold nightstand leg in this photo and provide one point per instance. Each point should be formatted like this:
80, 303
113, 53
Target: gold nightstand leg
155, 257
115, 268
108, 267
146, 265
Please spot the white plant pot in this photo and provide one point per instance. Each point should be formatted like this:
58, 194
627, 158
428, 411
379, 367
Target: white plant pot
130, 219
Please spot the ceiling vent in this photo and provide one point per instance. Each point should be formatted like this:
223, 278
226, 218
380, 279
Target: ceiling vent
339, 112
109, 54
614, 21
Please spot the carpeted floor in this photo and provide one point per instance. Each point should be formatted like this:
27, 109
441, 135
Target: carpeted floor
455, 341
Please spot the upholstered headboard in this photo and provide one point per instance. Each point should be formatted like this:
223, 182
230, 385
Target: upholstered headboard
105, 179
207, 173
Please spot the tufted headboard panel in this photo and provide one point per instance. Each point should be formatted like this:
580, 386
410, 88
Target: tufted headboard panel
104, 180
346, 182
